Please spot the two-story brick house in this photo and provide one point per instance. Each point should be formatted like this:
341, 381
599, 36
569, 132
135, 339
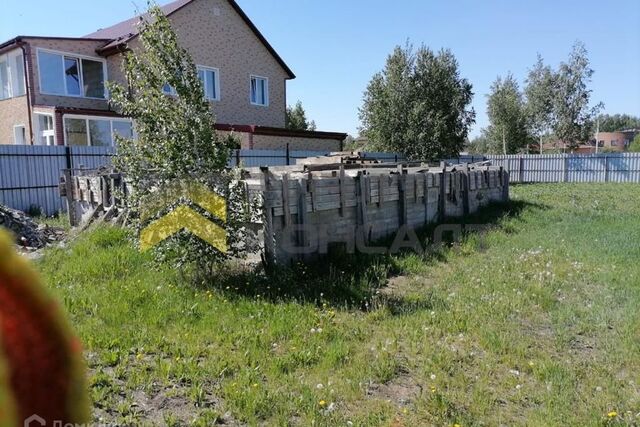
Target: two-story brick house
52, 89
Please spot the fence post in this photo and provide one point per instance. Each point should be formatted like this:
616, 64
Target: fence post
288, 155
521, 168
565, 171
606, 168
238, 158
67, 152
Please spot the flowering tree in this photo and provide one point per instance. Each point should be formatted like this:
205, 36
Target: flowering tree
176, 139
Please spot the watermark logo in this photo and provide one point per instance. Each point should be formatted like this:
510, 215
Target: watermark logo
318, 238
34, 420
183, 217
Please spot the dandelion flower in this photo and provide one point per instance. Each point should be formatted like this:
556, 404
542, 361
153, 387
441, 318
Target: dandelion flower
612, 414
322, 403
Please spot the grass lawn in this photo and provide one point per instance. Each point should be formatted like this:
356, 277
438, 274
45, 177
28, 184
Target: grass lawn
534, 322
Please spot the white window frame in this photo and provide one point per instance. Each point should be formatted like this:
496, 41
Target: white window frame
49, 132
24, 129
216, 82
266, 85
87, 118
12, 77
80, 73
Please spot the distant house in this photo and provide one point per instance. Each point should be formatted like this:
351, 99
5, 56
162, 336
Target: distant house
607, 141
52, 89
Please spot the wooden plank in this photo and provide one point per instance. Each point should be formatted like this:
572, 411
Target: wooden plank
312, 191
426, 198
442, 196
342, 191
71, 207
465, 191
301, 235
402, 186
285, 200
269, 240
362, 199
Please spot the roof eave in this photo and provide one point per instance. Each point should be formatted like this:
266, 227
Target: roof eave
264, 41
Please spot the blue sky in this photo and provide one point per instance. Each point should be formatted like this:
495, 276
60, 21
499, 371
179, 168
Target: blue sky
335, 46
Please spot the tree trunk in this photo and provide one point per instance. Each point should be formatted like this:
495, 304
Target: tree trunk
540, 143
504, 143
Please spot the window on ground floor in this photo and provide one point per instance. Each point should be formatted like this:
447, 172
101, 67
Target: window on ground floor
45, 134
19, 135
95, 131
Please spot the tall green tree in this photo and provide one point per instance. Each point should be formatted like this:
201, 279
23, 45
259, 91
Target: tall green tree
418, 105
296, 118
617, 122
634, 147
539, 95
176, 138
573, 115
508, 127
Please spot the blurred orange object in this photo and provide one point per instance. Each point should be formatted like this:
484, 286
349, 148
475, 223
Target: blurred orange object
42, 373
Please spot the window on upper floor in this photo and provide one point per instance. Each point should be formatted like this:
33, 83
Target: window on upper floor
12, 75
259, 91
210, 82
71, 75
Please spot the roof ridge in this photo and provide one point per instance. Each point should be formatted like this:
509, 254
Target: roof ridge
121, 32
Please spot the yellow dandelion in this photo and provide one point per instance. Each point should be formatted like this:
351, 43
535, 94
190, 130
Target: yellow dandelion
322, 403
433, 389
612, 414
255, 385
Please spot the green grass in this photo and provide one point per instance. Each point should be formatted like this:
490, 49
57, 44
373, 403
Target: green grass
534, 322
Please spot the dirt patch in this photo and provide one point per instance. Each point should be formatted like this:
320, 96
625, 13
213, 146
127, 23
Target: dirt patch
402, 390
